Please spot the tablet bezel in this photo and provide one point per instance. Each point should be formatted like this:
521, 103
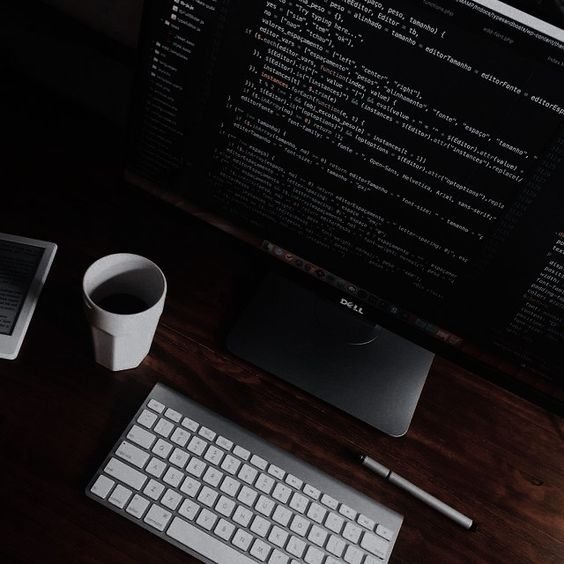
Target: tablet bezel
10, 344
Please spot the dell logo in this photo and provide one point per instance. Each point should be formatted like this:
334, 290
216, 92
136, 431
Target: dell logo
352, 305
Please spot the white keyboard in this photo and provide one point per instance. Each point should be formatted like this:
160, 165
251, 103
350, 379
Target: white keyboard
226, 496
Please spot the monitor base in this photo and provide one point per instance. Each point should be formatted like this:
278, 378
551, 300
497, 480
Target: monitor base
322, 348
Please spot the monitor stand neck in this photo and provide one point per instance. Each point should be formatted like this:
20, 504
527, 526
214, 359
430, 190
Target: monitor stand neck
325, 349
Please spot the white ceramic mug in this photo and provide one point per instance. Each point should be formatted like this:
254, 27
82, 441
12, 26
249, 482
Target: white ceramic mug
123, 298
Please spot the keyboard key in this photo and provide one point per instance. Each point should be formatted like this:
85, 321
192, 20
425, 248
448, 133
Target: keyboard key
299, 502
132, 454
230, 464
214, 455
196, 467
347, 512
317, 535
125, 473
190, 486
141, 437
102, 486
225, 506
174, 415
242, 516
154, 489
334, 522
300, 525
316, 512
137, 506
352, 532
247, 474
162, 448
120, 496
179, 458
353, 555
336, 545
190, 424
163, 427
189, 509
207, 496
375, 545
278, 536
282, 515
282, 493
312, 492
329, 501
278, 557
241, 452
224, 529
384, 532
264, 483
156, 405
147, 418
264, 505
207, 433
224, 443
173, 477
293, 481
180, 437
296, 546
276, 472
259, 462
171, 499
314, 556
260, 550
197, 446
212, 476
206, 519
260, 526
247, 496
242, 539
366, 522
157, 517
156, 467
230, 486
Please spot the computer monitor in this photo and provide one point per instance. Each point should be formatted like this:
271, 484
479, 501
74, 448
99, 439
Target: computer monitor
405, 154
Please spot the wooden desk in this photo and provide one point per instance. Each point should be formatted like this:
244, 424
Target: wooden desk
493, 456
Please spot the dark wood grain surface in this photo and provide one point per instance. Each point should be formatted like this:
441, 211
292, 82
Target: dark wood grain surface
492, 455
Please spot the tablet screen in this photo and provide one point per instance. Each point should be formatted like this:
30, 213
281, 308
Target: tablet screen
18, 265
24, 265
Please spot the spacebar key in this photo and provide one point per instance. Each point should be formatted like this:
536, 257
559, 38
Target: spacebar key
204, 544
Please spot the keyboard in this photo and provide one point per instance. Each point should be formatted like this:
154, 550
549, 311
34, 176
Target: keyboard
226, 496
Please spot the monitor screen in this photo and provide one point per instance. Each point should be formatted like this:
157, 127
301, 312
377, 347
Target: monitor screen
406, 152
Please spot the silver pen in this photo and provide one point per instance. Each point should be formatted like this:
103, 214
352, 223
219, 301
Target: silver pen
420, 494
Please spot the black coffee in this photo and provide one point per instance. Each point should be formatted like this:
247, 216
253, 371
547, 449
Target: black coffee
122, 303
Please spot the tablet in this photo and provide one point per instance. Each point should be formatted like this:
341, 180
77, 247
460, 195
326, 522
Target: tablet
24, 265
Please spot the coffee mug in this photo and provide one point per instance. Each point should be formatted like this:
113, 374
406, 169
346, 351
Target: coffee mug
123, 297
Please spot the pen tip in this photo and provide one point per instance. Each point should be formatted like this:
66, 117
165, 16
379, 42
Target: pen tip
361, 458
